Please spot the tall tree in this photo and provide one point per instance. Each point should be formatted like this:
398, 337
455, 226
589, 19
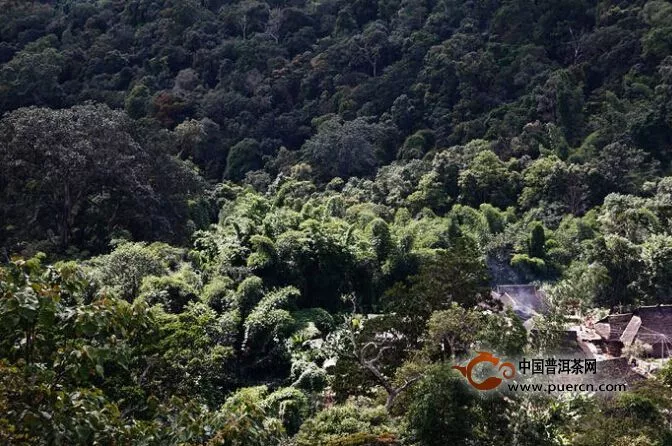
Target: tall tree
68, 173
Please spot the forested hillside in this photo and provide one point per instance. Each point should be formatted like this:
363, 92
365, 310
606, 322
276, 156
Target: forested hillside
211, 213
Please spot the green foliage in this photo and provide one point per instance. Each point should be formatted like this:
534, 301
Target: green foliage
243, 157
407, 154
69, 171
442, 409
137, 101
195, 346
347, 425
32, 78
451, 332
243, 420
56, 350
537, 241
630, 418
487, 180
343, 149
291, 406
249, 293
416, 145
270, 320
174, 292
583, 287
504, 333
308, 376
534, 421
218, 294
381, 240
320, 318
656, 258
127, 266
665, 374
531, 266
450, 276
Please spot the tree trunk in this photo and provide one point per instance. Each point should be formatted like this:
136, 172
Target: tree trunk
390, 399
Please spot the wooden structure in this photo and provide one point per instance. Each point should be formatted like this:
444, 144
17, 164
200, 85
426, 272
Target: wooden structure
650, 325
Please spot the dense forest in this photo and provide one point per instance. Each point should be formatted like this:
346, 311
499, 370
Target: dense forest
212, 212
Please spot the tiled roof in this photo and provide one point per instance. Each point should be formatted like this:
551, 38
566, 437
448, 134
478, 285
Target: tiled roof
656, 324
616, 370
602, 329
611, 371
650, 325
617, 325
631, 330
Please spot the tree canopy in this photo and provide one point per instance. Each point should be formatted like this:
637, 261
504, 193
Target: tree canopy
279, 223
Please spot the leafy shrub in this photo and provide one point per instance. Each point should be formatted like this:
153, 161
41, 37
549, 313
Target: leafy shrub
289, 405
270, 319
218, 294
174, 292
346, 423
308, 376
128, 265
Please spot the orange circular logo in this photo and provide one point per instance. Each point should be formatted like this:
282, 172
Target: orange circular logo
491, 382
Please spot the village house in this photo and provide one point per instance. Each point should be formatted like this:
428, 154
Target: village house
603, 340
650, 325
